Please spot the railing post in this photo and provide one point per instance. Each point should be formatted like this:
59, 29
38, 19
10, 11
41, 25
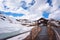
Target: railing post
31, 35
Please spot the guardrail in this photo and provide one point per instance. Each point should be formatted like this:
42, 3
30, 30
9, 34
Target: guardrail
51, 33
56, 33
14, 35
33, 34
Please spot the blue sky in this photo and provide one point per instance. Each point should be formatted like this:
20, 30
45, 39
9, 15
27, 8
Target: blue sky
32, 9
24, 6
12, 14
46, 14
50, 2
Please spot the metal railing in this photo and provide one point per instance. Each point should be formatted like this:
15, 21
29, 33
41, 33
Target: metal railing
15, 35
33, 34
57, 34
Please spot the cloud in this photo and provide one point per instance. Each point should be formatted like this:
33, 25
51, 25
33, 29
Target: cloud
38, 8
55, 10
32, 9
15, 7
55, 15
12, 6
36, 11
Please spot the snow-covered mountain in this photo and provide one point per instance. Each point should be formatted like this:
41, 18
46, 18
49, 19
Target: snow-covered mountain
8, 24
13, 20
7, 19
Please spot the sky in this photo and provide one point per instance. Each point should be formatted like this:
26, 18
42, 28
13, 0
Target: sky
12, 14
31, 9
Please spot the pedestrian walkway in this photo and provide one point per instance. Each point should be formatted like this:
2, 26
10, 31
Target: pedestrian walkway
43, 35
